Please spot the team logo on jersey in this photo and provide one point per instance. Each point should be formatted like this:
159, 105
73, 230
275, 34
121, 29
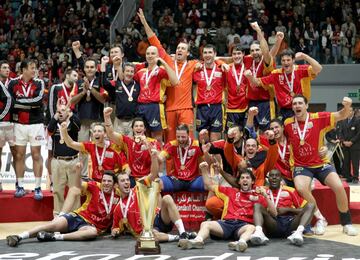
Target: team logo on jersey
191, 152
109, 154
253, 198
281, 79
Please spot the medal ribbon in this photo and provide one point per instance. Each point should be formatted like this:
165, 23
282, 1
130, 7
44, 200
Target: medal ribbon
238, 79
283, 150
124, 210
207, 79
128, 93
100, 160
277, 197
183, 156
302, 134
106, 206
181, 71
290, 83
255, 71
148, 77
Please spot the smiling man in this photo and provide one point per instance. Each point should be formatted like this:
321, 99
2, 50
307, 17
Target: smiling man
289, 80
305, 132
87, 222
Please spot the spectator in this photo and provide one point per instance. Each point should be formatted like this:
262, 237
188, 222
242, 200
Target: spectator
348, 43
336, 37
311, 36
246, 40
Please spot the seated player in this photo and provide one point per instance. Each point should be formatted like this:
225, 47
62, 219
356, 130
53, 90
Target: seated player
127, 212
293, 213
237, 220
91, 219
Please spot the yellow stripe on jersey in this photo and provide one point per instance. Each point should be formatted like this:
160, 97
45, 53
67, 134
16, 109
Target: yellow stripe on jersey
224, 198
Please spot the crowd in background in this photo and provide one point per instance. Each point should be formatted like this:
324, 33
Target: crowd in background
44, 30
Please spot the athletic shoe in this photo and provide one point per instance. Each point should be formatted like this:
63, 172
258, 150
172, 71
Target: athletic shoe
190, 243
44, 236
350, 230
319, 228
188, 235
258, 238
20, 192
239, 246
38, 194
296, 238
13, 240
308, 231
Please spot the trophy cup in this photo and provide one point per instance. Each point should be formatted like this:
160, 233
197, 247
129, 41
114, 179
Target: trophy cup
147, 197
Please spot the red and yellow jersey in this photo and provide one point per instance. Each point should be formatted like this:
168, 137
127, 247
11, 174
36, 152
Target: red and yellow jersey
191, 167
154, 91
261, 69
112, 159
239, 205
138, 155
179, 97
289, 197
307, 155
214, 95
236, 95
93, 209
133, 223
301, 85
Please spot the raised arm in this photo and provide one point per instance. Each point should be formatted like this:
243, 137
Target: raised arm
263, 43
204, 169
275, 49
149, 32
345, 111
68, 140
171, 73
316, 67
113, 136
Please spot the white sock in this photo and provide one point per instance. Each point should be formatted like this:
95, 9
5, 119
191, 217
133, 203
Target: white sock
198, 238
172, 237
180, 226
242, 240
258, 229
300, 228
318, 215
20, 182
37, 182
59, 236
24, 235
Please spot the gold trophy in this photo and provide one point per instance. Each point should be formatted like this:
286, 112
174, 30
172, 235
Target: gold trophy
147, 196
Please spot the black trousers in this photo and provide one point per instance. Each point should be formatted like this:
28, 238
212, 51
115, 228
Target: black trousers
351, 156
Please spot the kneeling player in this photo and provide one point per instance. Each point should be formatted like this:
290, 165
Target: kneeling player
237, 219
293, 213
101, 199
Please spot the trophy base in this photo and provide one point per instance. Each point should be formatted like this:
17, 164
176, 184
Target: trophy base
147, 247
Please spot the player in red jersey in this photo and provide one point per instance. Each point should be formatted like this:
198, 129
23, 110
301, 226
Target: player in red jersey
91, 219
127, 213
139, 160
186, 155
237, 219
289, 80
305, 132
104, 154
292, 213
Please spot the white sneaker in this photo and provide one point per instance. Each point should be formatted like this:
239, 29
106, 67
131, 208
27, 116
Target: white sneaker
258, 238
350, 230
239, 246
296, 238
319, 228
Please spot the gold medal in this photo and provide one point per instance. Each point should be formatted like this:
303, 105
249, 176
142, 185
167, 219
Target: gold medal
125, 221
182, 167
88, 98
208, 87
292, 94
137, 139
146, 86
100, 167
61, 141
130, 99
302, 142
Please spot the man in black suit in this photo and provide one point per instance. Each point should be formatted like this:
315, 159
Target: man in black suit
350, 138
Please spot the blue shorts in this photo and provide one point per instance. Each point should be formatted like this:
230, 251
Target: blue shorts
283, 226
160, 226
319, 173
172, 184
262, 119
289, 183
75, 222
231, 228
234, 119
285, 113
209, 117
154, 116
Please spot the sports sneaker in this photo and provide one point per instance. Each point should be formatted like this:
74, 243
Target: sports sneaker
319, 228
239, 246
13, 240
350, 230
20, 192
187, 235
296, 238
38, 195
190, 243
308, 231
258, 238
44, 236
